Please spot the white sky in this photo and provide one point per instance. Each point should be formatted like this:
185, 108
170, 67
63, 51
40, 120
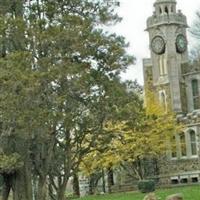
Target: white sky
135, 14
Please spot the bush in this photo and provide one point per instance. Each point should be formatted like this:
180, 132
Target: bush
146, 186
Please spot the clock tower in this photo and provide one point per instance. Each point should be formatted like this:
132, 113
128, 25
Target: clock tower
168, 46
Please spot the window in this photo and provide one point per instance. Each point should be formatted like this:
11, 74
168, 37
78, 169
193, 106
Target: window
166, 10
184, 180
172, 9
162, 99
195, 94
163, 66
173, 147
183, 145
174, 180
193, 143
160, 11
195, 179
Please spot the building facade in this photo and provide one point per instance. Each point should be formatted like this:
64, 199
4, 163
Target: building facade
176, 83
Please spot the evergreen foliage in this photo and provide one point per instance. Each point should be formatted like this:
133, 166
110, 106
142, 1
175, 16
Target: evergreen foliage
146, 186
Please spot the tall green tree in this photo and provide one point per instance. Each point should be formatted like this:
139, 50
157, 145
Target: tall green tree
57, 69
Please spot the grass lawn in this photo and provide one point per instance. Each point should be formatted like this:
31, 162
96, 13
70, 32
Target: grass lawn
189, 193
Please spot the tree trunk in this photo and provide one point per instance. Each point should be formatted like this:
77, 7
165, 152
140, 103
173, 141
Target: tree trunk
42, 189
61, 194
91, 185
21, 185
93, 182
103, 182
110, 179
76, 188
6, 187
62, 189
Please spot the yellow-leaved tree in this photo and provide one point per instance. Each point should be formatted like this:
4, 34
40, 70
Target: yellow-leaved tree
135, 145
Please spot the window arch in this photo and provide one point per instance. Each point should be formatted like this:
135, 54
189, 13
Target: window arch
160, 10
173, 147
166, 10
163, 100
193, 142
172, 9
162, 95
195, 93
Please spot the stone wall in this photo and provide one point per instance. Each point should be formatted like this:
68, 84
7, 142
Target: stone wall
180, 170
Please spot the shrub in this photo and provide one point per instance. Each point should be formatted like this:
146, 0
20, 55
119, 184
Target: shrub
69, 194
146, 186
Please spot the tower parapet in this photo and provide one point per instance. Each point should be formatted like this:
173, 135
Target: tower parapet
165, 13
175, 18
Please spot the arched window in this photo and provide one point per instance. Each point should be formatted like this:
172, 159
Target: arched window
162, 66
173, 147
166, 10
163, 100
183, 145
162, 95
160, 10
193, 142
172, 9
195, 94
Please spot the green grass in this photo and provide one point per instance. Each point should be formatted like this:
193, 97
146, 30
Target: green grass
189, 193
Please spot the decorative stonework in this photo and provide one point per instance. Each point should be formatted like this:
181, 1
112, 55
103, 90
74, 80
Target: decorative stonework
190, 118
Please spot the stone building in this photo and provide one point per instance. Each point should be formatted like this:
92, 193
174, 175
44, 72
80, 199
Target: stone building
177, 86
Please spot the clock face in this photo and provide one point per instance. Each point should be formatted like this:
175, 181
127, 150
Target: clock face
158, 45
181, 43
